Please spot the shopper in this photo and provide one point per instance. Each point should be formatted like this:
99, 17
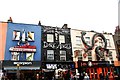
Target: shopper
86, 77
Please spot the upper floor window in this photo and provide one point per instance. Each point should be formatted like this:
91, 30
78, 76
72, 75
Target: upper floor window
78, 40
87, 39
30, 36
61, 38
50, 38
50, 55
29, 56
15, 56
63, 55
110, 56
108, 42
80, 56
90, 56
16, 35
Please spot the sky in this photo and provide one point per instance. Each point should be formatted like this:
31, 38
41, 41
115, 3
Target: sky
97, 15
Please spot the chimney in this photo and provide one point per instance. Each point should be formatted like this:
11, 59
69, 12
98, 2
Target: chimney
10, 20
39, 23
65, 26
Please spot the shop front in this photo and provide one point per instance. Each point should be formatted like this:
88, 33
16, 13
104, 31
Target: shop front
21, 70
96, 68
57, 70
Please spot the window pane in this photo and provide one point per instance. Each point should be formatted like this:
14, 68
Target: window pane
62, 58
78, 40
89, 56
87, 39
16, 35
50, 38
80, 56
29, 56
108, 42
30, 36
61, 38
15, 56
50, 55
62, 55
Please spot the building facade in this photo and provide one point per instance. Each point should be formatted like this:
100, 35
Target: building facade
119, 12
94, 53
117, 45
20, 49
56, 49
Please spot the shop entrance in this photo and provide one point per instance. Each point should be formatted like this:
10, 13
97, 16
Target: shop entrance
96, 71
49, 74
27, 75
24, 75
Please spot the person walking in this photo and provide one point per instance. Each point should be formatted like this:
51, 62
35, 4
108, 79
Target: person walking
101, 76
86, 77
106, 77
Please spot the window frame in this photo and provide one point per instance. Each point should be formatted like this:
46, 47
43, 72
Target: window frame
31, 58
78, 40
62, 54
50, 37
15, 55
61, 38
50, 56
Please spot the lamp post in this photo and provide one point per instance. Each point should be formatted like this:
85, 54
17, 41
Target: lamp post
18, 72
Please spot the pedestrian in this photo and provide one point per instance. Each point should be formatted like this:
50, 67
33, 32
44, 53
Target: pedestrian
93, 77
107, 77
72, 76
68, 75
101, 76
86, 77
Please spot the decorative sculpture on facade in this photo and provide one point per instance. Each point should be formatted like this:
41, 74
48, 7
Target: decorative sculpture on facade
99, 50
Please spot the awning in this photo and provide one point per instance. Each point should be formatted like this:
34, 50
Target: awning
23, 65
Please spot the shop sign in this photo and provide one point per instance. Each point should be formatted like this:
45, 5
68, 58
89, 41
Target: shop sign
55, 46
93, 63
22, 49
22, 63
51, 66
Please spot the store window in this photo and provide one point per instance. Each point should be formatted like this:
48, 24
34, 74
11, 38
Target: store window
61, 38
63, 55
50, 55
50, 38
15, 56
29, 56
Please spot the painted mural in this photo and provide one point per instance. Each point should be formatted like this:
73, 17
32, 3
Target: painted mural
100, 49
